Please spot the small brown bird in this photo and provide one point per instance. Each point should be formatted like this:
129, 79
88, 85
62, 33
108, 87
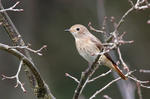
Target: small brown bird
89, 46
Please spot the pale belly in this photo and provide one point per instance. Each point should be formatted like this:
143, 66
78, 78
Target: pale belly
88, 51
90, 57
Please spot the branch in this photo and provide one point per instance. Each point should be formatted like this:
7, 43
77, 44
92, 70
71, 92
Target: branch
139, 90
75, 79
42, 87
114, 42
103, 29
122, 61
106, 86
139, 81
29, 49
115, 80
144, 71
134, 7
107, 97
118, 40
91, 80
139, 84
139, 6
123, 18
12, 8
93, 29
85, 76
102, 75
18, 82
145, 86
41, 90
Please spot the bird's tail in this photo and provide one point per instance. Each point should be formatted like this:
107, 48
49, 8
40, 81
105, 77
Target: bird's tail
119, 72
106, 60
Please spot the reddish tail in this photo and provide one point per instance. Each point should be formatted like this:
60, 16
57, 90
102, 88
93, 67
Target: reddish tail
119, 72
114, 66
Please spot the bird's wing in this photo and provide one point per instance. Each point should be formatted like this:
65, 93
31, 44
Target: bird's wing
97, 42
114, 65
100, 47
109, 57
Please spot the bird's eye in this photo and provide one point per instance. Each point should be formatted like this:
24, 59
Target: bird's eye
77, 29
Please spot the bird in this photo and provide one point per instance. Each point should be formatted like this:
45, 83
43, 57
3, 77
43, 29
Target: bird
89, 46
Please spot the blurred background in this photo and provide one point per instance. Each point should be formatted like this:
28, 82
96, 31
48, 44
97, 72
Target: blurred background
43, 23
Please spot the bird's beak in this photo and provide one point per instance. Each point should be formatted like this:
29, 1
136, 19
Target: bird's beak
67, 30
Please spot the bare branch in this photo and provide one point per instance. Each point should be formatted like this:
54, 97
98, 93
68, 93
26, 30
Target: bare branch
102, 75
93, 79
93, 29
128, 74
106, 86
75, 79
122, 61
115, 41
139, 81
138, 3
144, 71
12, 8
134, 7
145, 86
103, 29
122, 18
107, 97
41, 89
104, 26
21, 56
30, 64
85, 76
18, 82
31, 50
139, 84
139, 90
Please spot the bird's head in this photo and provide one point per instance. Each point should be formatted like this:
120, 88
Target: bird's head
78, 30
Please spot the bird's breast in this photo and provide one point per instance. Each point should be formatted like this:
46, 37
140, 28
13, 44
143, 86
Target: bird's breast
87, 49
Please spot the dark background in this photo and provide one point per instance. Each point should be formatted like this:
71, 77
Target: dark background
43, 22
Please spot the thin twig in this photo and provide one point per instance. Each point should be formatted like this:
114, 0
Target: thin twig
23, 57
118, 41
32, 73
139, 81
144, 71
138, 3
85, 76
12, 8
145, 86
104, 27
31, 50
42, 87
106, 86
93, 29
107, 97
122, 18
102, 75
18, 82
75, 79
122, 61
91, 80
139, 90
